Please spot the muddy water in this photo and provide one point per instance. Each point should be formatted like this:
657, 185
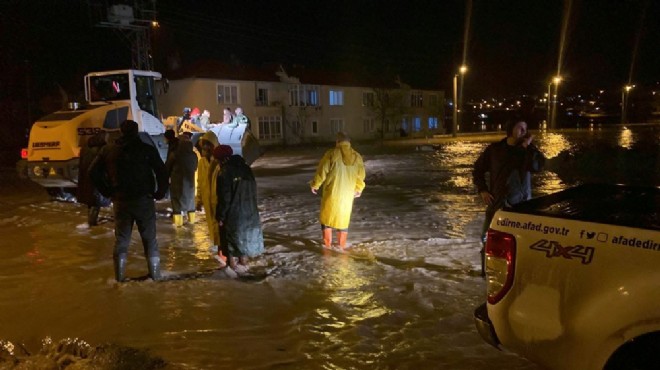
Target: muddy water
403, 298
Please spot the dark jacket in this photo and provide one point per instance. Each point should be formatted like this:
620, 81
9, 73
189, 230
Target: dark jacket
130, 169
87, 192
509, 168
237, 208
181, 165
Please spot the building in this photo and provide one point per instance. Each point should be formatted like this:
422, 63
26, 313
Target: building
298, 105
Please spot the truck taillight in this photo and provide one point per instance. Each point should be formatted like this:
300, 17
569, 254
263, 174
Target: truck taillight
500, 260
24, 153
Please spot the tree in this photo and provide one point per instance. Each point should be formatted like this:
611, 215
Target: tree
388, 105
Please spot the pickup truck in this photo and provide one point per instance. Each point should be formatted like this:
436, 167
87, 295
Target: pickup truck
573, 279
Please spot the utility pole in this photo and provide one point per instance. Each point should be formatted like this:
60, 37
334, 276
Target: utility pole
134, 23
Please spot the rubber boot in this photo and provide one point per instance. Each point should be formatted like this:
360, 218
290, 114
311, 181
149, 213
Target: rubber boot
178, 219
154, 267
93, 216
221, 259
341, 237
327, 237
191, 217
120, 267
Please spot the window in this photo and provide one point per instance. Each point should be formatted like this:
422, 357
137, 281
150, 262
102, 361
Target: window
367, 99
336, 97
262, 97
315, 128
270, 127
433, 123
404, 123
300, 96
313, 97
433, 100
110, 88
416, 99
417, 124
336, 125
144, 90
296, 128
227, 94
369, 125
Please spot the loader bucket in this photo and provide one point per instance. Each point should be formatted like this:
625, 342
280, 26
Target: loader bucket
241, 140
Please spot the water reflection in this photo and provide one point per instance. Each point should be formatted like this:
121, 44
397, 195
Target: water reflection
553, 143
352, 299
626, 138
349, 289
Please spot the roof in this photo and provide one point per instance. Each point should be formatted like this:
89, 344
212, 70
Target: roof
224, 71
214, 69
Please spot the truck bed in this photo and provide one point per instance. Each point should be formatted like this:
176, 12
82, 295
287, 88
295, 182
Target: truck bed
601, 203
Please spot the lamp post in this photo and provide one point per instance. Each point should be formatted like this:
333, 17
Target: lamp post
552, 103
624, 101
457, 105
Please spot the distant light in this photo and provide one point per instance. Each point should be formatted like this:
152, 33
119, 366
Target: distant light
463, 69
154, 24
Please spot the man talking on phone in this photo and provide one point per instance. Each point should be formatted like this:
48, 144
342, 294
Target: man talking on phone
509, 164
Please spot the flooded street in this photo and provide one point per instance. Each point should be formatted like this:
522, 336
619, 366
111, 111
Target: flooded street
401, 299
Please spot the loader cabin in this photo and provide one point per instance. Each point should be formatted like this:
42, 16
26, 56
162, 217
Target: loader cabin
116, 86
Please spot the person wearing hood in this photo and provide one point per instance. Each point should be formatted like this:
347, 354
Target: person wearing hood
181, 165
206, 197
237, 213
87, 193
171, 140
131, 173
340, 174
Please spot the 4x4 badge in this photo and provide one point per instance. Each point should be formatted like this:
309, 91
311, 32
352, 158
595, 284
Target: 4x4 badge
554, 249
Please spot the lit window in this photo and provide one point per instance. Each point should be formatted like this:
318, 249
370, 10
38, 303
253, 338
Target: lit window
301, 96
433, 123
417, 124
336, 97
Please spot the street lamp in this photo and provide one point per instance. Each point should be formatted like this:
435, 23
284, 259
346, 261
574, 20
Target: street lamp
624, 101
552, 103
462, 70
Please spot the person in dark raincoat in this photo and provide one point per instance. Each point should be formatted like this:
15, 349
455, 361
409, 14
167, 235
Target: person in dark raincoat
237, 213
131, 173
88, 193
509, 164
340, 174
181, 165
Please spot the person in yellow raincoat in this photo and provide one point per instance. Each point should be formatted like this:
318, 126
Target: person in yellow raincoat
341, 175
206, 196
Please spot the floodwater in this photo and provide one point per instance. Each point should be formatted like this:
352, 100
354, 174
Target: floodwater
401, 299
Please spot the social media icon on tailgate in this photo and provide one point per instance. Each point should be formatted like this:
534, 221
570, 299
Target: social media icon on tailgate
590, 235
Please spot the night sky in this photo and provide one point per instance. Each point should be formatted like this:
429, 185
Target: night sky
512, 46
